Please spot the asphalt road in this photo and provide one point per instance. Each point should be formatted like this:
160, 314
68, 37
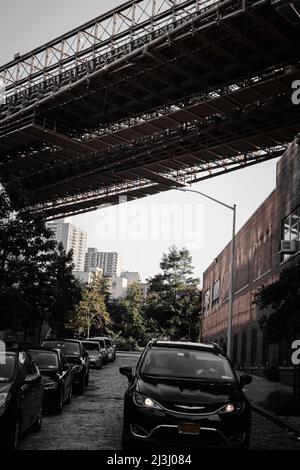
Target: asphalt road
94, 421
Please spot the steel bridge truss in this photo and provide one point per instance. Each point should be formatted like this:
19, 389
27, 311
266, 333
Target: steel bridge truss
134, 102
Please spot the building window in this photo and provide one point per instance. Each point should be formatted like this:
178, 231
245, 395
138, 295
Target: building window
216, 293
206, 304
244, 348
235, 349
291, 230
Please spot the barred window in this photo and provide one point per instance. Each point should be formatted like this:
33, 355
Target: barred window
216, 293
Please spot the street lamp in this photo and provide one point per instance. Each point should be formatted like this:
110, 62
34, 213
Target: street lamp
232, 262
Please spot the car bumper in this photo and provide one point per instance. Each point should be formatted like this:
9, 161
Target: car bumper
165, 428
95, 362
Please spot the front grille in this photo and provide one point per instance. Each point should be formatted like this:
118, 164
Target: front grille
192, 408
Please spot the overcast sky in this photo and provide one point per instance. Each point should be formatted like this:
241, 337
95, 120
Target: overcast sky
141, 231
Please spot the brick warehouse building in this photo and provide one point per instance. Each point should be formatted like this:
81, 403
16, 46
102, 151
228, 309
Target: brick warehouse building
259, 261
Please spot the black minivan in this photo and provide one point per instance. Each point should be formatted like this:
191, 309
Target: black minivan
185, 394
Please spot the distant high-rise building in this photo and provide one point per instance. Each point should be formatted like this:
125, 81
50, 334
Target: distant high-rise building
132, 277
71, 237
109, 262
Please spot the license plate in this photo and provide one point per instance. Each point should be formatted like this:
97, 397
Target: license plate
188, 428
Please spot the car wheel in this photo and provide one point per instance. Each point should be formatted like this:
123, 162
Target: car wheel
12, 440
38, 423
69, 399
127, 443
87, 378
60, 403
80, 386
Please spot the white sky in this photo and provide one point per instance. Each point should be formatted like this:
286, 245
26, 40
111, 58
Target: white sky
205, 226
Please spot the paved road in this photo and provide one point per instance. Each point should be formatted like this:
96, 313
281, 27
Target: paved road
94, 421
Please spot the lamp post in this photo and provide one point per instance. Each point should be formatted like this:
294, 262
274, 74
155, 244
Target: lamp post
232, 262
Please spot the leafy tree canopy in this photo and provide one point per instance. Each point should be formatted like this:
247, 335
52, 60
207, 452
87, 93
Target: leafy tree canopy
282, 302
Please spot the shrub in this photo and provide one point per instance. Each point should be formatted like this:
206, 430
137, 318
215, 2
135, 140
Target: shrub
272, 373
126, 344
282, 403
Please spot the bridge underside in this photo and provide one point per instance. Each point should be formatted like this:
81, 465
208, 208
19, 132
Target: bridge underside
211, 95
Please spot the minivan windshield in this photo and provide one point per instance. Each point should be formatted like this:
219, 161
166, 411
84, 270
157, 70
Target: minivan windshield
186, 363
7, 366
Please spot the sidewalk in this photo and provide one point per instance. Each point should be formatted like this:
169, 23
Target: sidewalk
260, 388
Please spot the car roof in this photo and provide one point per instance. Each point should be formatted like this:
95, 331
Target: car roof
62, 340
40, 348
209, 347
90, 341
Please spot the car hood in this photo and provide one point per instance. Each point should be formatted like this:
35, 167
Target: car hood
5, 387
210, 394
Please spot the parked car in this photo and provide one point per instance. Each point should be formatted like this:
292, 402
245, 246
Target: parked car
94, 351
21, 396
109, 345
185, 394
103, 348
75, 354
57, 376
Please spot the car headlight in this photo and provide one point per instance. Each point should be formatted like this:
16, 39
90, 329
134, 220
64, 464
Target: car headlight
50, 386
145, 402
76, 369
232, 408
3, 402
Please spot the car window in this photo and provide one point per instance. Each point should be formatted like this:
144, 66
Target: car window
184, 363
68, 348
7, 366
44, 359
91, 346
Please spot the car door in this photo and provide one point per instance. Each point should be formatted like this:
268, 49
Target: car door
25, 396
36, 389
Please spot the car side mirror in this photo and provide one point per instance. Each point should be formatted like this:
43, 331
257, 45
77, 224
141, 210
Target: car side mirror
245, 379
127, 371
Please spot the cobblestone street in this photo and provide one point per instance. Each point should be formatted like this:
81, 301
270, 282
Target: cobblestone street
94, 421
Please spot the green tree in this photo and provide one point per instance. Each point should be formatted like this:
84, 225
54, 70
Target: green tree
281, 300
91, 310
36, 284
133, 304
174, 300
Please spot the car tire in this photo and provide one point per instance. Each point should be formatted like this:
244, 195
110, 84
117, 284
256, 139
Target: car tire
69, 399
80, 386
127, 443
87, 379
60, 403
38, 423
13, 438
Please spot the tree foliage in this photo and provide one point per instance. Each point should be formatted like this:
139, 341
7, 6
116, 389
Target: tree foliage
91, 311
36, 282
174, 300
281, 300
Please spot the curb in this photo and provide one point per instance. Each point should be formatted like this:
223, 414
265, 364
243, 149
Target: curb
276, 419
